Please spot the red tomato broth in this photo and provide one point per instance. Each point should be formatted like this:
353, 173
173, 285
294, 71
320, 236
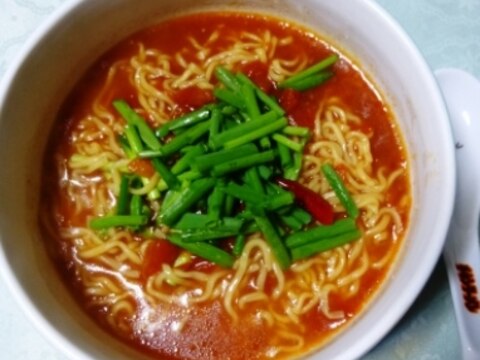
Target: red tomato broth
210, 333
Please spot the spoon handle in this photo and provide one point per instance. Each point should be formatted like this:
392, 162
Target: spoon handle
462, 251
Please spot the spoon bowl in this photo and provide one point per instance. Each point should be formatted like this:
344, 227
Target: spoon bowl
68, 44
462, 254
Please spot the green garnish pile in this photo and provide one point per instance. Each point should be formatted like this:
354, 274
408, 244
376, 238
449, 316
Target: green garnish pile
218, 167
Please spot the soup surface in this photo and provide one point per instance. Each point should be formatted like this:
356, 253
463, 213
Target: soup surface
168, 301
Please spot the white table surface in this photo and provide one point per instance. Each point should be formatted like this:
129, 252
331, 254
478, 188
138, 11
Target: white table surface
447, 33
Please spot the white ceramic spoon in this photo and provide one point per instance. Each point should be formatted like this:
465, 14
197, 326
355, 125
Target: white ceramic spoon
462, 254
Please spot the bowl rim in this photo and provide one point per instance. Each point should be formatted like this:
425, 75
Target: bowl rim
412, 290
44, 328
378, 331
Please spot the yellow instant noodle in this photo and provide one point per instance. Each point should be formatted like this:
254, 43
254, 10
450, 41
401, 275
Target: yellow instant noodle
93, 173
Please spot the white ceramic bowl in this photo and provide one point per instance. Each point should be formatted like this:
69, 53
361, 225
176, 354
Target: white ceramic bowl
71, 40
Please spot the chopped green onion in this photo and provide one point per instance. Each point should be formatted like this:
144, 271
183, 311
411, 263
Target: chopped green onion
251, 105
133, 139
273, 239
167, 176
189, 119
258, 133
204, 250
134, 119
285, 155
295, 146
193, 221
291, 222
302, 252
270, 102
265, 172
105, 222
238, 245
229, 97
124, 144
293, 172
257, 198
185, 176
243, 163
320, 232
340, 190
215, 201
123, 196
229, 204
227, 78
185, 161
188, 137
136, 205
265, 143
301, 215
148, 154
228, 110
280, 200
214, 230
318, 67
207, 161
310, 81
253, 179
208, 234
244, 193
215, 122
187, 198
296, 131
162, 131
242, 129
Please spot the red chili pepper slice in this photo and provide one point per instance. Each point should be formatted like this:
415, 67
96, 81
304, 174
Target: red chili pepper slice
315, 204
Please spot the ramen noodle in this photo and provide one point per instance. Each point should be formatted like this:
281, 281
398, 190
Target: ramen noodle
167, 302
